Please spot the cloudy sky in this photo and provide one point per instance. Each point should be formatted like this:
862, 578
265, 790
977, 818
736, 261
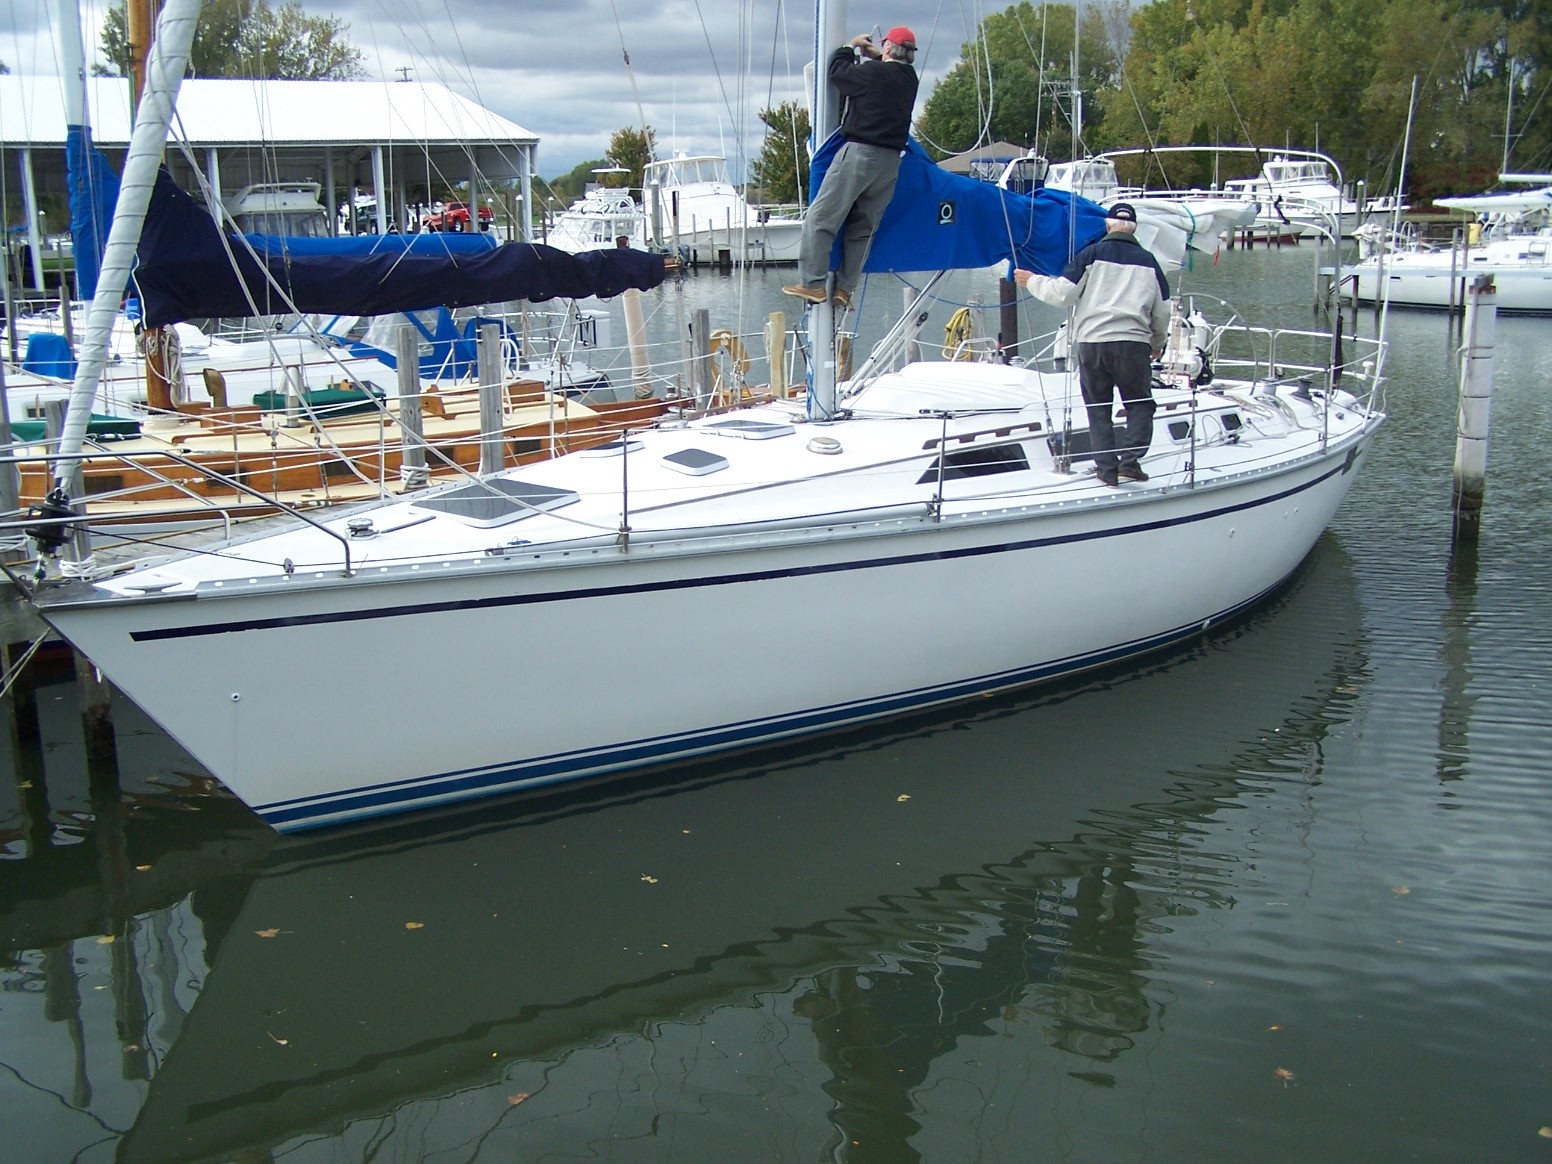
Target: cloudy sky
700, 70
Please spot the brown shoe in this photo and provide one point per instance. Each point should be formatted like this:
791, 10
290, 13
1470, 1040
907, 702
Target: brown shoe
808, 292
842, 298
1131, 471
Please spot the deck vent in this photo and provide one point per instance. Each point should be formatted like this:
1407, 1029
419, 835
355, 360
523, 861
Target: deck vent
978, 462
497, 501
750, 430
695, 462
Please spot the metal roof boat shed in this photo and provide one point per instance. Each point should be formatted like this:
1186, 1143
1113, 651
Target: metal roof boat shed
401, 141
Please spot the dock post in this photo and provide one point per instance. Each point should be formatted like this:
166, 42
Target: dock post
776, 352
412, 461
700, 358
1007, 320
492, 420
1475, 414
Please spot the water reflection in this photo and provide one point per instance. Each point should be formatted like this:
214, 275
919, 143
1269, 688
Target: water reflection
1459, 698
842, 919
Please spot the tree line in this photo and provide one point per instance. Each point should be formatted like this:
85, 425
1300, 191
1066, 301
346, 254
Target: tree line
1332, 75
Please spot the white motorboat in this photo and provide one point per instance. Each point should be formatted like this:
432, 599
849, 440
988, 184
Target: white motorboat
1510, 239
1297, 192
693, 208
922, 534
1168, 223
600, 218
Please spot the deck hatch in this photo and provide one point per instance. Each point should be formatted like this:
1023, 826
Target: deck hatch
750, 430
695, 462
497, 502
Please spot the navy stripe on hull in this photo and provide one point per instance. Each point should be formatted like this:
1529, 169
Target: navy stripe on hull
423, 792
292, 621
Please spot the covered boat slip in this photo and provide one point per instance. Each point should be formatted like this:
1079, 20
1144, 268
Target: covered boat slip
530, 592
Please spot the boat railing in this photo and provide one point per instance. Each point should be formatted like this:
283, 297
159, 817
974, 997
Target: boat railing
1272, 356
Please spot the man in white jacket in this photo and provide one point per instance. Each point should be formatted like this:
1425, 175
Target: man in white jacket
1119, 327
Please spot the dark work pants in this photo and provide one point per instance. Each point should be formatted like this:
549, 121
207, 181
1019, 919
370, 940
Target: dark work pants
1103, 368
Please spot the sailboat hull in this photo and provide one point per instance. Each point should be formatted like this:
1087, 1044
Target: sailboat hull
319, 704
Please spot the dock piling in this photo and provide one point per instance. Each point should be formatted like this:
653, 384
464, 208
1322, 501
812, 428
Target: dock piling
1479, 334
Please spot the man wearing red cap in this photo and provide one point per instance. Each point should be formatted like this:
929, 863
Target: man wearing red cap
879, 85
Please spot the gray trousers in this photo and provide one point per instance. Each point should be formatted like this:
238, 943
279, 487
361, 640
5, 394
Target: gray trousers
853, 197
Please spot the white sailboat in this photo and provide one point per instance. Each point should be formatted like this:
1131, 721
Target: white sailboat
920, 534
1510, 238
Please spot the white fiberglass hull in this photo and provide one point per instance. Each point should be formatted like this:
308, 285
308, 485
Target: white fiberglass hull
320, 703
766, 243
1433, 283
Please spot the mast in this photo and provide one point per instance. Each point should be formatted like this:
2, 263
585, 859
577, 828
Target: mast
169, 58
154, 341
829, 31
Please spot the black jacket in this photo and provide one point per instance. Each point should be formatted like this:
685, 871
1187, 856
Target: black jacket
879, 98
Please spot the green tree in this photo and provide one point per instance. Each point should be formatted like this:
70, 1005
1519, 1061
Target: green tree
631, 149
1337, 75
781, 170
1014, 82
571, 185
249, 38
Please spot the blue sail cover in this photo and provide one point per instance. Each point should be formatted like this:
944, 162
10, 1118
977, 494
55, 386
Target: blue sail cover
938, 221
94, 190
189, 269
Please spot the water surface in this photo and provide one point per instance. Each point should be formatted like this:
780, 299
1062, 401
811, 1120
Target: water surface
1279, 895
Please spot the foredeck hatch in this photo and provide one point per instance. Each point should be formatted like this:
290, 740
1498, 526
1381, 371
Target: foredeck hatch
498, 501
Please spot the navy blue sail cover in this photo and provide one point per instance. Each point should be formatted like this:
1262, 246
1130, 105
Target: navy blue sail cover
189, 269
938, 221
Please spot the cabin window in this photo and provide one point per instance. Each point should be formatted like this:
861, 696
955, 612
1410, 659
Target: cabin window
104, 483
978, 462
1231, 422
1180, 430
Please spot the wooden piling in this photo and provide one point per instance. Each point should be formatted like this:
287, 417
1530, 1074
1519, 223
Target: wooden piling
412, 465
1007, 329
776, 352
1474, 417
493, 453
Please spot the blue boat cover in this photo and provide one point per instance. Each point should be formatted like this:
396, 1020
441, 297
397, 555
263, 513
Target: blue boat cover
48, 354
190, 269
938, 221
94, 190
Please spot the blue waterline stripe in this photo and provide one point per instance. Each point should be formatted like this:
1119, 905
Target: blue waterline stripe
375, 799
292, 621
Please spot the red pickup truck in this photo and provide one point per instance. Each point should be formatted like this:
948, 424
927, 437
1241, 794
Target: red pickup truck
453, 216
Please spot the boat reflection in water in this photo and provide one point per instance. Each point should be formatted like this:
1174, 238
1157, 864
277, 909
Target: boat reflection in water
831, 919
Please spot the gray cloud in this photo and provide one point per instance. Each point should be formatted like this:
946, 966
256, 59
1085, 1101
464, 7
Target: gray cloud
701, 71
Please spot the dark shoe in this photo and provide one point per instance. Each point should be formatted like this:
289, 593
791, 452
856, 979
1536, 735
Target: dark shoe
842, 299
1131, 471
1107, 477
809, 293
